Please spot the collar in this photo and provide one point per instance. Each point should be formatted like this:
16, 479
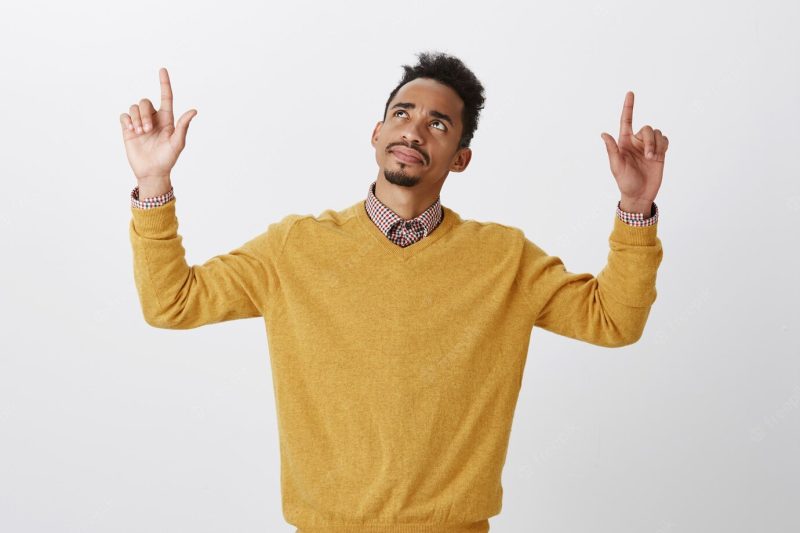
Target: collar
391, 224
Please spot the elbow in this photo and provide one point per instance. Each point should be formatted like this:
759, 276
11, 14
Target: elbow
152, 315
155, 314
617, 334
157, 321
163, 320
621, 339
626, 327
167, 324
627, 341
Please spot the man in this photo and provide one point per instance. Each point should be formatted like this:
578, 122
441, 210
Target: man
397, 331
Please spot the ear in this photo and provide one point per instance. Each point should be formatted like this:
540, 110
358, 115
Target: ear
461, 160
376, 132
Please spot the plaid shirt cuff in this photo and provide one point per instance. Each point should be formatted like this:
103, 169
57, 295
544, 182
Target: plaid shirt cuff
637, 219
148, 203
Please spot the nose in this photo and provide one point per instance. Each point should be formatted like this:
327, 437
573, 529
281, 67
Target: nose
411, 132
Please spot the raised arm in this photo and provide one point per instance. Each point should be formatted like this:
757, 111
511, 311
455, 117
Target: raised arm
610, 309
173, 294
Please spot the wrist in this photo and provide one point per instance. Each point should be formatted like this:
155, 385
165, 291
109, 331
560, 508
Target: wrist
151, 187
636, 206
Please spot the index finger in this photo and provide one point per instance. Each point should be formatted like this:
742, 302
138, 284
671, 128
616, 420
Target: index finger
166, 91
626, 121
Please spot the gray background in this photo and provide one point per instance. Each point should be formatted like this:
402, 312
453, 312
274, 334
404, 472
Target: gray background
107, 424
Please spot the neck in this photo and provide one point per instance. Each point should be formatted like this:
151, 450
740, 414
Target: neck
407, 202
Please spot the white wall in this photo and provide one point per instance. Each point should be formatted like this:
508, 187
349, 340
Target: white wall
107, 424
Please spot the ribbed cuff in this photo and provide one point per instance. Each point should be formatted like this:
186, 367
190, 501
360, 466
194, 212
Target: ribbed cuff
157, 222
637, 235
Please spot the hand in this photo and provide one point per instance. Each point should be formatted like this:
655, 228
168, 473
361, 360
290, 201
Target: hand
638, 174
152, 140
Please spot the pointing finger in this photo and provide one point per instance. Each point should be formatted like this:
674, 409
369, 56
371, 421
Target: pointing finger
626, 120
166, 91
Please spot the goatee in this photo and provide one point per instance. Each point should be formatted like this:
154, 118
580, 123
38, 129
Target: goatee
398, 177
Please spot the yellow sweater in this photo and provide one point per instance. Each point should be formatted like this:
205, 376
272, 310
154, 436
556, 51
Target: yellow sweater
396, 370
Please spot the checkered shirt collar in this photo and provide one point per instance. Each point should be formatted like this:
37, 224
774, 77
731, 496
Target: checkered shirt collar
386, 219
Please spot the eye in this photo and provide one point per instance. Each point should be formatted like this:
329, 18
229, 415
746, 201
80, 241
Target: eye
443, 127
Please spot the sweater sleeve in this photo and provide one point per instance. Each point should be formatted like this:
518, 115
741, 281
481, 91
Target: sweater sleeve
608, 310
175, 295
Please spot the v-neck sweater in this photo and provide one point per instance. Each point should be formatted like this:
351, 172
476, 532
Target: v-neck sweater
396, 370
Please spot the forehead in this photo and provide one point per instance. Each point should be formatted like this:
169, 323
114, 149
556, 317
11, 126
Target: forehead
428, 93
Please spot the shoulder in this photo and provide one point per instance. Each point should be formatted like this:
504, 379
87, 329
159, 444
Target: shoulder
489, 231
306, 225
329, 218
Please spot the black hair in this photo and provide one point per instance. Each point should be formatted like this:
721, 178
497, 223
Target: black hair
450, 71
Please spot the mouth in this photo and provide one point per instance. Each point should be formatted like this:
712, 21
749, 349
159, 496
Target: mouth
407, 156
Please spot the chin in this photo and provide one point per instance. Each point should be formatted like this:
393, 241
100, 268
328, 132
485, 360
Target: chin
401, 178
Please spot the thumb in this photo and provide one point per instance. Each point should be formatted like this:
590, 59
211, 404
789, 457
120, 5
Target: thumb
182, 126
612, 149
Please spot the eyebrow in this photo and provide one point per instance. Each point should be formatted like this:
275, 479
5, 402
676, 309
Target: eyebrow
433, 113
